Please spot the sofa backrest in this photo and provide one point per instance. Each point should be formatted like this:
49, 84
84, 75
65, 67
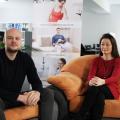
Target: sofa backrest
79, 66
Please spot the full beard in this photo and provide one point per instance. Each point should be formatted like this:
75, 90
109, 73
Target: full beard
9, 50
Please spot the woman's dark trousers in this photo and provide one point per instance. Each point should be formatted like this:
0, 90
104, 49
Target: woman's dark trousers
93, 104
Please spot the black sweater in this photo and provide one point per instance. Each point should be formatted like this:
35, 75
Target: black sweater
12, 75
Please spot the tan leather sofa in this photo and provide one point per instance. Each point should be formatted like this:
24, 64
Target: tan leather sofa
72, 81
75, 71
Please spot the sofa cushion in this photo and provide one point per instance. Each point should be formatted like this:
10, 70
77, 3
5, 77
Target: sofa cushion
75, 103
68, 82
79, 66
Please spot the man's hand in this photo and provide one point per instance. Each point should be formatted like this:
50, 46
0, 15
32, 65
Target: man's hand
29, 98
33, 97
23, 98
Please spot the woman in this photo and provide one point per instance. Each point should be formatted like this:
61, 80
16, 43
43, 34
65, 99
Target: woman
102, 83
58, 12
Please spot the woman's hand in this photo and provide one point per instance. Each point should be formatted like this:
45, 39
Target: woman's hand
96, 81
92, 82
99, 81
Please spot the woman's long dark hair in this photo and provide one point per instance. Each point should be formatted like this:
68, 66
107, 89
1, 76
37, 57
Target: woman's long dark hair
115, 52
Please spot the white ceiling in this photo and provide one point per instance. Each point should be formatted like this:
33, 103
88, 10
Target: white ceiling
113, 2
92, 6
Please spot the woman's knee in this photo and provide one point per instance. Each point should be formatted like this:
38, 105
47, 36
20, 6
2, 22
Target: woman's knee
92, 89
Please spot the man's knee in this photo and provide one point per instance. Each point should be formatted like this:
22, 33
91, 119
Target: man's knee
47, 94
55, 111
2, 105
2, 116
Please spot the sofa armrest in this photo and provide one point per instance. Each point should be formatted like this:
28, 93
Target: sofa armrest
68, 82
21, 113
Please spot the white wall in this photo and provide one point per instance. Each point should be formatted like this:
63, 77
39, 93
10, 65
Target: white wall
76, 37
94, 25
26, 11
16, 11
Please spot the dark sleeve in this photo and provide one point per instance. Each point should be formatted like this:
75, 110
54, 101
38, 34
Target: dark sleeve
32, 76
7, 95
93, 69
115, 74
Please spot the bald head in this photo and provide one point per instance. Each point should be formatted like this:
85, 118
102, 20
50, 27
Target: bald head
13, 31
13, 40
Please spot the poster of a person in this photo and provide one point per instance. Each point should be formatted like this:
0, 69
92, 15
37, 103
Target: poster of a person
57, 11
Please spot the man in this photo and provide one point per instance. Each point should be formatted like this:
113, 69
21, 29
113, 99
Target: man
57, 37
14, 66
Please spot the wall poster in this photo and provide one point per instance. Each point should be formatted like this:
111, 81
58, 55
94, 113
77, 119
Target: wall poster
56, 33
